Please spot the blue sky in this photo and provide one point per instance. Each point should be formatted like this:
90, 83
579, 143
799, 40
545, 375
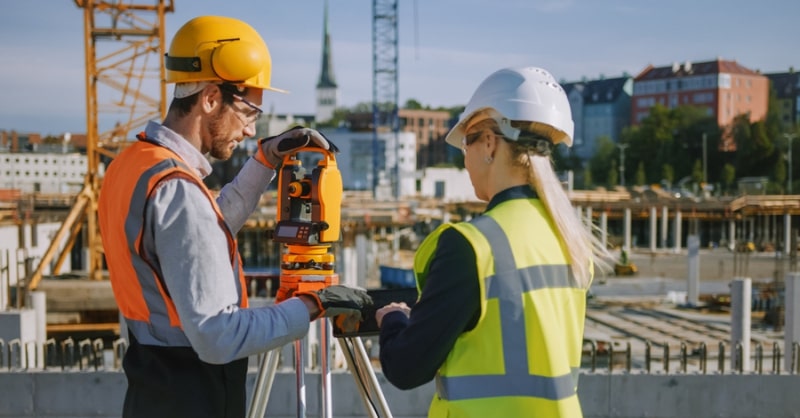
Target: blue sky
446, 47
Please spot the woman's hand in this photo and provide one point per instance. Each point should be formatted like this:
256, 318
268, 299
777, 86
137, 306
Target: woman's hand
392, 307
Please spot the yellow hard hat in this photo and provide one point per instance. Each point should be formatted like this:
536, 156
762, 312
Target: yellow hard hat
217, 48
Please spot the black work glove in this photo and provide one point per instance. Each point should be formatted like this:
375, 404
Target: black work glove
339, 300
272, 150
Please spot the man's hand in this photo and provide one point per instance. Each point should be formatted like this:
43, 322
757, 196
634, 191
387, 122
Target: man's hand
337, 300
272, 150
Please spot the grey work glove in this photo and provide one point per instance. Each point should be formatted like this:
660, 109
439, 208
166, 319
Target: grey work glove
272, 150
339, 300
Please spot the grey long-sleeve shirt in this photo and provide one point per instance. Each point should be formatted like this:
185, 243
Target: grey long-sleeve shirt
183, 234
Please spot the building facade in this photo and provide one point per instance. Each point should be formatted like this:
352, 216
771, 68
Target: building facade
726, 89
35, 172
600, 108
787, 92
429, 127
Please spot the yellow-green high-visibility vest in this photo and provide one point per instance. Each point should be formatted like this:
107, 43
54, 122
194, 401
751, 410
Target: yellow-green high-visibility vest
523, 356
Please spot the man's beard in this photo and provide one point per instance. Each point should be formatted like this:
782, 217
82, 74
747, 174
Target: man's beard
219, 143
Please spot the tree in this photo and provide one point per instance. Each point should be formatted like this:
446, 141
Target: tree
587, 176
779, 174
728, 176
601, 161
641, 177
613, 175
412, 104
697, 172
668, 174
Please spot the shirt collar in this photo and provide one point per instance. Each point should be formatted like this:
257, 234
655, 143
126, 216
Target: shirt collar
515, 192
172, 140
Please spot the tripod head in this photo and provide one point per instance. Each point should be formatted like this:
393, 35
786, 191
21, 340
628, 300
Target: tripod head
309, 220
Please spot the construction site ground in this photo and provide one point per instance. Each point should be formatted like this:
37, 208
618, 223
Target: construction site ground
649, 308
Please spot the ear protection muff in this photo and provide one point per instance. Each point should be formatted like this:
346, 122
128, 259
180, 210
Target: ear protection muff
237, 60
233, 60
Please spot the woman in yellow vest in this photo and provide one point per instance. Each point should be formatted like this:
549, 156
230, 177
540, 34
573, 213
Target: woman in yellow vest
500, 317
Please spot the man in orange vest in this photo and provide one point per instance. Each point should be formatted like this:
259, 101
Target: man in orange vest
170, 245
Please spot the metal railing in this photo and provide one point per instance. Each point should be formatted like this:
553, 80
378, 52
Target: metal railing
691, 358
91, 355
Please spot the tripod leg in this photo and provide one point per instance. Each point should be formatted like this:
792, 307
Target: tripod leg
367, 383
263, 386
299, 366
325, 368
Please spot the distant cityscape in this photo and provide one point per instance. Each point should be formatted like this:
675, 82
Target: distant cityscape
602, 108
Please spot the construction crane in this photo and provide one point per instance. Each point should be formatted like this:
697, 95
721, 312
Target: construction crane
384, 85
124, 47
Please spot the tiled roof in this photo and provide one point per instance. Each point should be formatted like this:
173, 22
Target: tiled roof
689, 68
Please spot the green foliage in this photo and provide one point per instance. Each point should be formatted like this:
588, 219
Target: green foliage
728, 177
600, 163
412, 104
612, 179
697, 171
641, 176
588, 182
668, 173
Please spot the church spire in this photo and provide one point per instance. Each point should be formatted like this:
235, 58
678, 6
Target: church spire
326, 78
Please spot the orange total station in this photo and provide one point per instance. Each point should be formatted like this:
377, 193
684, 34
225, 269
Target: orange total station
309, 216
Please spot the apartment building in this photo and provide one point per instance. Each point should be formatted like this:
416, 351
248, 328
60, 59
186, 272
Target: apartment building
600, 108
725, 88
787, 91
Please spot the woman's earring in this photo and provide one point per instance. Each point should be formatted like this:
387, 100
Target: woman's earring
488, 159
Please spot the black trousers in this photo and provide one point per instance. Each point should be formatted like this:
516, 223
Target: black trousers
172, 382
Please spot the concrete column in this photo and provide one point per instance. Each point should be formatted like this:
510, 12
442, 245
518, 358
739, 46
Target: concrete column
791, 330
664, 226
589, 221
740, 321
787, 232
768, 228
693, 276
604, 229
362, 246
678, 232
579, 212
348, 273
731, 234
752, 232
653, 228
627, 230
38, 302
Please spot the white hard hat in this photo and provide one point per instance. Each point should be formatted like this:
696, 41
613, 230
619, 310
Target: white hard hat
519, 94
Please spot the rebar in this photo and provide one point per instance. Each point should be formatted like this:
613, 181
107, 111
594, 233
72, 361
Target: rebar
67, 353
737, 354
119, 346
16, 342
610, 356
628, 360
703, 357
759, 358
666, 357
721, 357
683, 357
647, 356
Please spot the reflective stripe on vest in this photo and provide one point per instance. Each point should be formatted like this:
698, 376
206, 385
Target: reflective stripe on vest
149, 311
508, 284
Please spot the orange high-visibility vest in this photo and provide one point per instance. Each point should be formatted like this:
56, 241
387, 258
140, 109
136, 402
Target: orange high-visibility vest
139, 290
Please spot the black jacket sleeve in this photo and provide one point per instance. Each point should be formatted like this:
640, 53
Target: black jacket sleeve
412, 349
